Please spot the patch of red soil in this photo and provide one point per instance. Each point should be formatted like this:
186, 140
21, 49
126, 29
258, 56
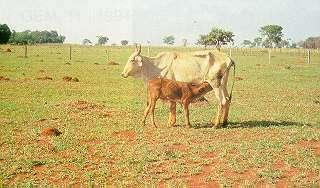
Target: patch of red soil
199, 180
238, 78
178, 147
127, 135
87, 107
50, 132
2, 78
314, 145
209, 155
44, 78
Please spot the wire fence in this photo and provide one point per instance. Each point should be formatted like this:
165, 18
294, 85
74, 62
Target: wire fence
78, 53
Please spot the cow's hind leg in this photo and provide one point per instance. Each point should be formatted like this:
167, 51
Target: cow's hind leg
225, 108
226, 100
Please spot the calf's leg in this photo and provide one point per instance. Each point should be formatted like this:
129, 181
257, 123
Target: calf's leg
172, 114
146, 112
186, 113
153, 105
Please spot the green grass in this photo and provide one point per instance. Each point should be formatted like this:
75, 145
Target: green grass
273, 135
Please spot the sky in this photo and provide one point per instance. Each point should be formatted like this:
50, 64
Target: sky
150, 20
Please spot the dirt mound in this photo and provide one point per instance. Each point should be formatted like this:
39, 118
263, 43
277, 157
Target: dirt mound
50, 132
44, 78
70, 79
2, 78
238, 78
84, 105
8, 50
112, 63
80, 108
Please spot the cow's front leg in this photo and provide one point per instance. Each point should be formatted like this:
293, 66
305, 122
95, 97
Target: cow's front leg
216, 119
225, 112
172, 114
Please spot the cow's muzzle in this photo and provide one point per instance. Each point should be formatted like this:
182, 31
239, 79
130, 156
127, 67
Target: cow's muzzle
124, 75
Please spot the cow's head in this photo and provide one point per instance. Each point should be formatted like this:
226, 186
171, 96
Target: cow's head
134, 64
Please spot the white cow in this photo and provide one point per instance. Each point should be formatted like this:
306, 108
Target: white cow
196, 67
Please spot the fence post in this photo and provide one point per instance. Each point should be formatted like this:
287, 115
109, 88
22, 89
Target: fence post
148, 51
269, 55
70, 52
308, 56
108, 55
230, 52
25, 51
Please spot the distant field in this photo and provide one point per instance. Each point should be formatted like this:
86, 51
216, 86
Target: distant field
273, 137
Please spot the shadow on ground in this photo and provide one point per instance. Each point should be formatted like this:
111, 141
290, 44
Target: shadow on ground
253, 124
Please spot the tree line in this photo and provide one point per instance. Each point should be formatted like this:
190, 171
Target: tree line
269, 36
29, 37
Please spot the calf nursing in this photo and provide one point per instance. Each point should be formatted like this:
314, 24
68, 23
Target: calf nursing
173, 91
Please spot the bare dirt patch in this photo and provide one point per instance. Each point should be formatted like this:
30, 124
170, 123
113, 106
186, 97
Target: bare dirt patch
178, 147
112, 63
314, 145
81, 107
2, 78
70, 79
238, 78
44, 78
126, 135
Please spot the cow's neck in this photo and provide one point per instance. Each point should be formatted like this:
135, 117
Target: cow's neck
151, 68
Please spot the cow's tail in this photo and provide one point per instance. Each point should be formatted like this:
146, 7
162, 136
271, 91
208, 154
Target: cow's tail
232, 64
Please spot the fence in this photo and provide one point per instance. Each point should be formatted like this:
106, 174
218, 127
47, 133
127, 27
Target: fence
78, 53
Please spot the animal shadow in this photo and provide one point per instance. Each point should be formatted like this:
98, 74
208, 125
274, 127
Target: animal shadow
264, 123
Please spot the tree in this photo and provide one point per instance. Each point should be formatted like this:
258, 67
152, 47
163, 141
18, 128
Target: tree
311, 42
169, 40
247, 43
257, 41
216, 37
86, 42
184, 42
124, 42
272, 35
5, 33
102, 40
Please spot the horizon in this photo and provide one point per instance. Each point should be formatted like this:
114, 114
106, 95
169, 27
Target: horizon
139, 21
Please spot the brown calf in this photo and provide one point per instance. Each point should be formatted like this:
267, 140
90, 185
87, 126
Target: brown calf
173, 91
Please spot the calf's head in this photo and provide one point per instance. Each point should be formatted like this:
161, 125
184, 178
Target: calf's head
134, 64
200, 89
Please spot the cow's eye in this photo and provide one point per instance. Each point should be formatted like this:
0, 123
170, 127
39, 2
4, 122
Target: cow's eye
132, 60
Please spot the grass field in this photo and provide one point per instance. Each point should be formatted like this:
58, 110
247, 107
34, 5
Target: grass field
273, 137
